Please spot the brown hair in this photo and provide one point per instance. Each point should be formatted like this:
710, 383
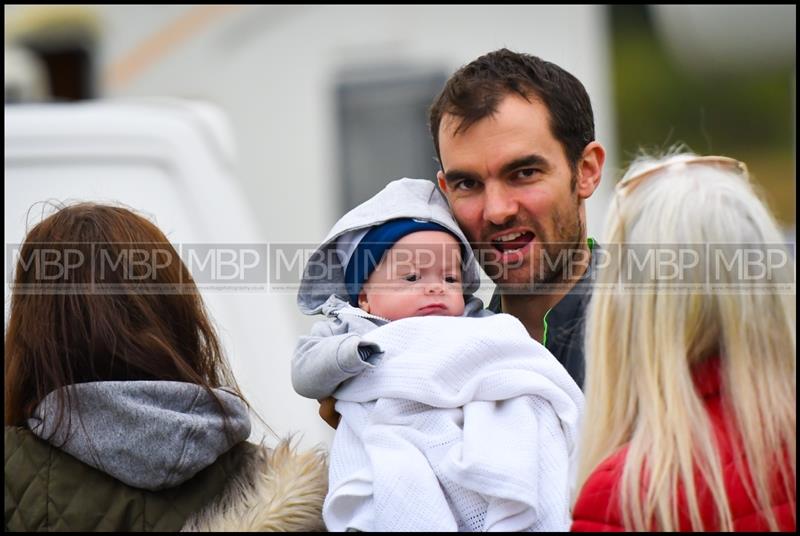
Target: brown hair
474, 92
83, 311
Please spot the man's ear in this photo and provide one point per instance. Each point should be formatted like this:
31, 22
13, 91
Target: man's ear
441, 181
590, 169
362, 301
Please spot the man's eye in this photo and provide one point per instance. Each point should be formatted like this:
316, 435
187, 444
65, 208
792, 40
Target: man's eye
465, 184
411, 277
526, 173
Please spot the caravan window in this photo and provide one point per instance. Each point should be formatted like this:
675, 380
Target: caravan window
383, 130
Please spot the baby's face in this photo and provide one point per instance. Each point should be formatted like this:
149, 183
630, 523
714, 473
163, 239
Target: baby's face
419, 276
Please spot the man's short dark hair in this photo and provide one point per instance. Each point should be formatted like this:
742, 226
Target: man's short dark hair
476, 89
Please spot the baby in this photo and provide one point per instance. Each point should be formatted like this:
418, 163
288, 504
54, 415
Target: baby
452, 418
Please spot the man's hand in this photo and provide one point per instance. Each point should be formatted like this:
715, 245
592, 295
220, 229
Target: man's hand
328, 412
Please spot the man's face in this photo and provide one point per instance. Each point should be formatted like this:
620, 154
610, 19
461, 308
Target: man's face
510, 187
419, 276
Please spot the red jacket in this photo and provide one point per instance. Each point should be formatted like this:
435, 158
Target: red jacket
598, 506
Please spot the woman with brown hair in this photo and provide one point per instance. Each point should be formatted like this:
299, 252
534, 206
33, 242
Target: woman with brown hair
121, 412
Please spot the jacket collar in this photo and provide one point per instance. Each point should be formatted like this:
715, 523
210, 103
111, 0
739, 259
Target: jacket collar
275, 490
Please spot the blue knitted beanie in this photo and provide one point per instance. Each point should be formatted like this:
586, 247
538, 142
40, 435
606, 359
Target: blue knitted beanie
378, 240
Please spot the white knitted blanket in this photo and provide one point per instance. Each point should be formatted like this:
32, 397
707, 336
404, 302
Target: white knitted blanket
466, 424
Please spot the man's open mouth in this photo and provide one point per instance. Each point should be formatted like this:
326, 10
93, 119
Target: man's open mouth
512, 241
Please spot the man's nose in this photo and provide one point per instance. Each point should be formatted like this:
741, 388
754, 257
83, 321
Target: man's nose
499, 203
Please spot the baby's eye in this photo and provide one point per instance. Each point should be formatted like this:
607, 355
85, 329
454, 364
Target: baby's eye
411, 277
451, 279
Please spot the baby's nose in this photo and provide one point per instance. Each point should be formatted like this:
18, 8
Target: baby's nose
435, 288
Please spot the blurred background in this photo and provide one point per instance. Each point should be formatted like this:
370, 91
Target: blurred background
265, 123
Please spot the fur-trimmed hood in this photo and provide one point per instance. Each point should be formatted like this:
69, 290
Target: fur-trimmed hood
276, 490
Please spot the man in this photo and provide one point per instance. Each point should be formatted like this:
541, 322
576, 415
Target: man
515, 140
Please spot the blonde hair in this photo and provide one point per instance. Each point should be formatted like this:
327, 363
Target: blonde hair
642, 345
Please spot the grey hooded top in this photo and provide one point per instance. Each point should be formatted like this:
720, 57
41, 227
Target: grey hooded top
330, 354
147, 434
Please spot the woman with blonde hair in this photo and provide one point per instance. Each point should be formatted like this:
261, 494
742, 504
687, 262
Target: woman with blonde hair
691, 387
121, 413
